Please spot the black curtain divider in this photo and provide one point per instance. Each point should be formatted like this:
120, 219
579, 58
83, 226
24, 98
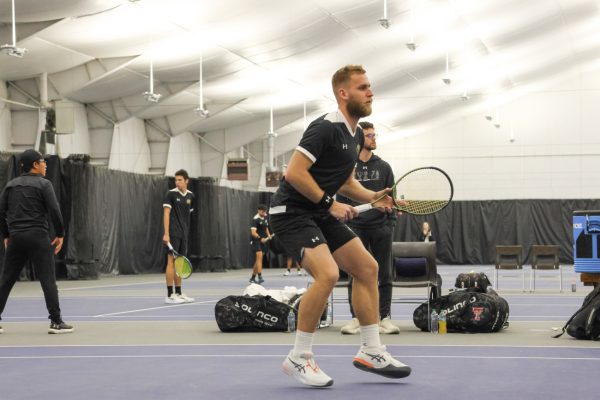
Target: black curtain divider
468, 231
114, 219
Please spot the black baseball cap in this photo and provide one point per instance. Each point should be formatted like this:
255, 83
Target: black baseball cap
28, 157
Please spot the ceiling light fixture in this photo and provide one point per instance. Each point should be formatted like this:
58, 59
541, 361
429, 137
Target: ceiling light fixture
150, 96
497, 119
446, 79
411, 45
200, 110
12, 49
385, 21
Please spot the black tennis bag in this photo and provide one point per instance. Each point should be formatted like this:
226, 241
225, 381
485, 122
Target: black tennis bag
473, 280
585, 323
466, 311
251, 314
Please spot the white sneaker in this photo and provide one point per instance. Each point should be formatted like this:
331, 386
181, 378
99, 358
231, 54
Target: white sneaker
352, 328
186, 299
380, 362
386, 326
174, 299
300, 273
286, 273
305, 370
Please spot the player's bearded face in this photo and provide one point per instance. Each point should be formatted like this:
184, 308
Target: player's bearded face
360, 96
358, 108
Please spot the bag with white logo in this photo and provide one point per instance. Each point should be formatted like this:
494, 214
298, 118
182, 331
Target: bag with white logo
466, 311
251, 314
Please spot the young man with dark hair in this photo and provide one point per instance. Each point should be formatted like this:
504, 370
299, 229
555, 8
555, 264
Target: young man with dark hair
375, 229
26, 204
177, 208
311, 225
259, 235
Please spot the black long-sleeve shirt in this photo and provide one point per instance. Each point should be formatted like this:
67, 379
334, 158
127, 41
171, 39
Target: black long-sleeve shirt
25, 205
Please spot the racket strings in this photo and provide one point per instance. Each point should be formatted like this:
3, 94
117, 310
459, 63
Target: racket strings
422, 207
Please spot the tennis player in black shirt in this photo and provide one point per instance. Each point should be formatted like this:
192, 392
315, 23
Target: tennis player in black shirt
177, 208
311, 226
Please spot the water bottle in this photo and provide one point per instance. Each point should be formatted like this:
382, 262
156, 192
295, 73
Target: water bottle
442, 327
291, 323
434, 322
329, 318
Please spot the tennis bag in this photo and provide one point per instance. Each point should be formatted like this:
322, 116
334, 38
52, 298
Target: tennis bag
473, 280
585, 323
467, 310
251, 314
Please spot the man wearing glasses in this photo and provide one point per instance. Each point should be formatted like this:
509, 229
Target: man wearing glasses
27, 203
375, 229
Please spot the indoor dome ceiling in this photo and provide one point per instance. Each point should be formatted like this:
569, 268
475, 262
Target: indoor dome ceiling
262, 52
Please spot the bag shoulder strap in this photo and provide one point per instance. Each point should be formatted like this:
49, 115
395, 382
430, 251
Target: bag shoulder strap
586, 303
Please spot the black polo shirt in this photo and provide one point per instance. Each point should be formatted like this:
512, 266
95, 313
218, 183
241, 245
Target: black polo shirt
181, 209
334, 150
261, 225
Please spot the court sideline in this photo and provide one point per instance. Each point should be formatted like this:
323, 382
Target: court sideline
128, 344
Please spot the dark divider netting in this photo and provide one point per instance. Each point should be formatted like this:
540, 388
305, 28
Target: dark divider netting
467, 232
114, 222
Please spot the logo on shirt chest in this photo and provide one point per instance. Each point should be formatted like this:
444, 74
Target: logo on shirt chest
188, 202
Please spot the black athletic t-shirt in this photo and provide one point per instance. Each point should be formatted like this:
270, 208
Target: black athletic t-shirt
334, 150
375, 174
261, 225
181, 208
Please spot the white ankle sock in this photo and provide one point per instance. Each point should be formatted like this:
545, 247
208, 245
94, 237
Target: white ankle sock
303, 342
369, 336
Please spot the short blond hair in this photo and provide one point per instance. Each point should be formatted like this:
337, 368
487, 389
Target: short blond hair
343, 75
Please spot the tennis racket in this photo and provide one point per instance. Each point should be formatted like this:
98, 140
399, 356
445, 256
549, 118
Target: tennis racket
425, 190
183, 266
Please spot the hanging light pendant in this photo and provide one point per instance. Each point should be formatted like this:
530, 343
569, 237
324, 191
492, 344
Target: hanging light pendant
12, 49
200, 110
150, 96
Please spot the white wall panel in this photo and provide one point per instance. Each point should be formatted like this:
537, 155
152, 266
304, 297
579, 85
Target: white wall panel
129, 150
184, 152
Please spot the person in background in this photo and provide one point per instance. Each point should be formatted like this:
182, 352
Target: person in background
27, 203
426, 235
177, 209
290, 262
375, 229
259, 235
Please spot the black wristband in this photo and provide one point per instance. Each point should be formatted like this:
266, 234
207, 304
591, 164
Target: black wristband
326, 201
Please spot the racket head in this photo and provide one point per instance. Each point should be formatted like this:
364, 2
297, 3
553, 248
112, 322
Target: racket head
426, 190
183, 267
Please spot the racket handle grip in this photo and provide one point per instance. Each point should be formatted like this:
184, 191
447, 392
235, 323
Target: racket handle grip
363, 207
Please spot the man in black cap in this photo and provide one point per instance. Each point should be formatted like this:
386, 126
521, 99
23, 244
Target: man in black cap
26, 204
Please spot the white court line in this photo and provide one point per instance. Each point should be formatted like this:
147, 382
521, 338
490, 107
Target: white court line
284, 355
154, 308
109, 286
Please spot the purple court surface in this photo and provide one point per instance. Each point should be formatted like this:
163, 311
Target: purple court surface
128, 344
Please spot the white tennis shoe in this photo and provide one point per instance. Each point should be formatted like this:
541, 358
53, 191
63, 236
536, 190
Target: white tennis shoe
305, 370
174, 299
380, 362
186, 299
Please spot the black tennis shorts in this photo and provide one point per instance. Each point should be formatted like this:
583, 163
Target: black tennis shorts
257, 246
179, 245
299, 231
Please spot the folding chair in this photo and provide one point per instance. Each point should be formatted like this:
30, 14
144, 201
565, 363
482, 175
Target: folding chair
544, 257
508, 257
